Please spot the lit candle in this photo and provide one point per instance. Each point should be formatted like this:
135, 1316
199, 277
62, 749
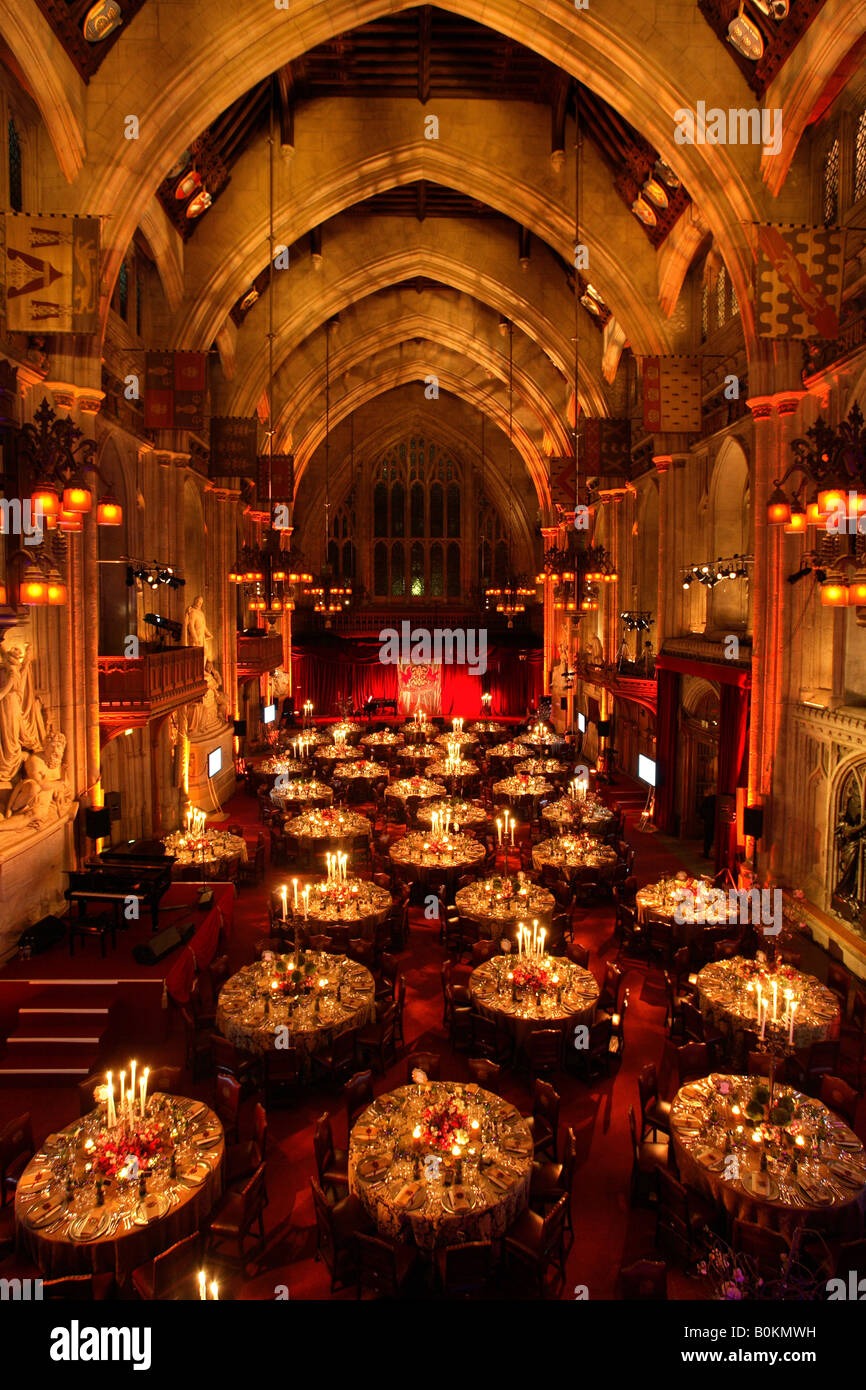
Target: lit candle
123, 1095
283, 895
764, 1020
541, 942
512, 834
132, 1080
499, 828
202, 1285
111, 1116
775, 999
791, 1026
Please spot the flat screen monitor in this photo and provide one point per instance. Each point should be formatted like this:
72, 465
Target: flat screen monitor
581, 723
646, 769
214, 761
269, 714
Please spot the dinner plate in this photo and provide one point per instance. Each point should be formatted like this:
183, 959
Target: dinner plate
770, 1193
411, 1197
195, 1176
851, 1177
458, 1199
90, 1226
815, 1193
208, 1141
373, 1166
151, 1209
43, 1214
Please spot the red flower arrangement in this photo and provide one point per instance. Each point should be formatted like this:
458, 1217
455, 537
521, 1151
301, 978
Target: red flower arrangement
534, 977
440, 1124
111, 1154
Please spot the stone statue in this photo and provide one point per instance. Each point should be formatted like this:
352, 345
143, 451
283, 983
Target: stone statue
21, 725
195, 629
209, 713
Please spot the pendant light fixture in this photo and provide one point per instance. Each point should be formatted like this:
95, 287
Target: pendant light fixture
511, 597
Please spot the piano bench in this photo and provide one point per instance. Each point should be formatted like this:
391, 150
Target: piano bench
100, 925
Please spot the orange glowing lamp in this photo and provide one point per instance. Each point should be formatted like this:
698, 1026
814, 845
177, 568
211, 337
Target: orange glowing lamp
77, 499
109, 511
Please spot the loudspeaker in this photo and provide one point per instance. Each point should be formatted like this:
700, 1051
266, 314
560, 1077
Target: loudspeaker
41, 936
753, 821
240, 728
97, 822
604, 728
162, 944
112, 802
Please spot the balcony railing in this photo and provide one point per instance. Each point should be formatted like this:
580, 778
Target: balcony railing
365, 622
134, 689
632, 683
259, 654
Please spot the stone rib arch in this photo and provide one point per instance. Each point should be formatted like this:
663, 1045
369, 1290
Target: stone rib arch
452, 379
206, 60
513, 177
379, 322
55, 85
468, 258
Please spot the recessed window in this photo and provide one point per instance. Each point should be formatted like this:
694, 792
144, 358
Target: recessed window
16, 198
830, 186
860, 159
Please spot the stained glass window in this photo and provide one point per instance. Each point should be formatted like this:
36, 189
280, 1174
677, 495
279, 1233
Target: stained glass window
16, 197
417, 493
860, 159
721, 296
831, 183
123, 290
705, 310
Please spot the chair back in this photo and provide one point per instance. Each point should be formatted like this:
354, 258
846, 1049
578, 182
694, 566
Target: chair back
358, 1093
253, 1195
428, 1062
377, 1266
16, 1138
836, 1094
553, 1229
632, 1124
86, 1099
543, 1049
228, 1098
164, 1079
323, 1144
224, 1055
260, 1128
486, 1073
171, 1266
693, 1062
324, 1219
647, 1084
466, 1268
578, 953
546, 1102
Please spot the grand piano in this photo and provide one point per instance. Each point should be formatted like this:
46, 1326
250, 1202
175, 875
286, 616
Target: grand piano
139, 869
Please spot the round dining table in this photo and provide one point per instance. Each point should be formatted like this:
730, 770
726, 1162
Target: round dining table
542, 739
351, 907
814, 1173
370, 771
458, 810
418, 787
425, 860
524, 995
212, 852
416, 1189
509, 752
463, 741
500, 903
521, 787
575, 856
286, 767
302, 792
728, 999
487, 729
454, 773
418, 755
673, 900
585, 814
313, 996
346, 731
419, 733
544, 767
62, 1225
385, 738
331, 825
333, 753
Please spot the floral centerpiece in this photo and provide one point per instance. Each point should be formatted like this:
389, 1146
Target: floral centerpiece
533, 975
113, 1149
444, 1124
298, 979
764, 1108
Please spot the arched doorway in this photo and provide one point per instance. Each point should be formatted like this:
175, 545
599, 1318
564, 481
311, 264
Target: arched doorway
699, 749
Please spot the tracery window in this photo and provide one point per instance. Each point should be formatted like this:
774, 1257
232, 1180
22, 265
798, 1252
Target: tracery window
417, 522
341, 548
16, 196
830, 187
860, 159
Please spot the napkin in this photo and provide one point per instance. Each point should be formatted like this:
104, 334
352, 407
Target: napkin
44, 1213
367, 1132
374, 1165
459, 1199
761, 1183
407, 1197
498, 1177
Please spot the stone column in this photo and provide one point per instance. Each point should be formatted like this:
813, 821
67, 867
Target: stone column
550, 535
663, 464
760, 777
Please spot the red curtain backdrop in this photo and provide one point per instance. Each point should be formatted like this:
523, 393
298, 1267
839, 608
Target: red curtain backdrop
733, 729
327, 673
668, 693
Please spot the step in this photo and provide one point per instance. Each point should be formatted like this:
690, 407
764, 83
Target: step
64, 998
65, 1064
43, 1025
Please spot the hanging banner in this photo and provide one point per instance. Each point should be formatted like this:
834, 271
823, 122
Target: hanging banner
672, 395
233, 446
419, 687
174, 390
50, 269
281, 471
798, 282
605, 446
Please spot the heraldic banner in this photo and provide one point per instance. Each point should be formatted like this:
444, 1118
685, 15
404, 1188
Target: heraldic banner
50, 269
174, 390
798, 290
419, 687
672, 395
